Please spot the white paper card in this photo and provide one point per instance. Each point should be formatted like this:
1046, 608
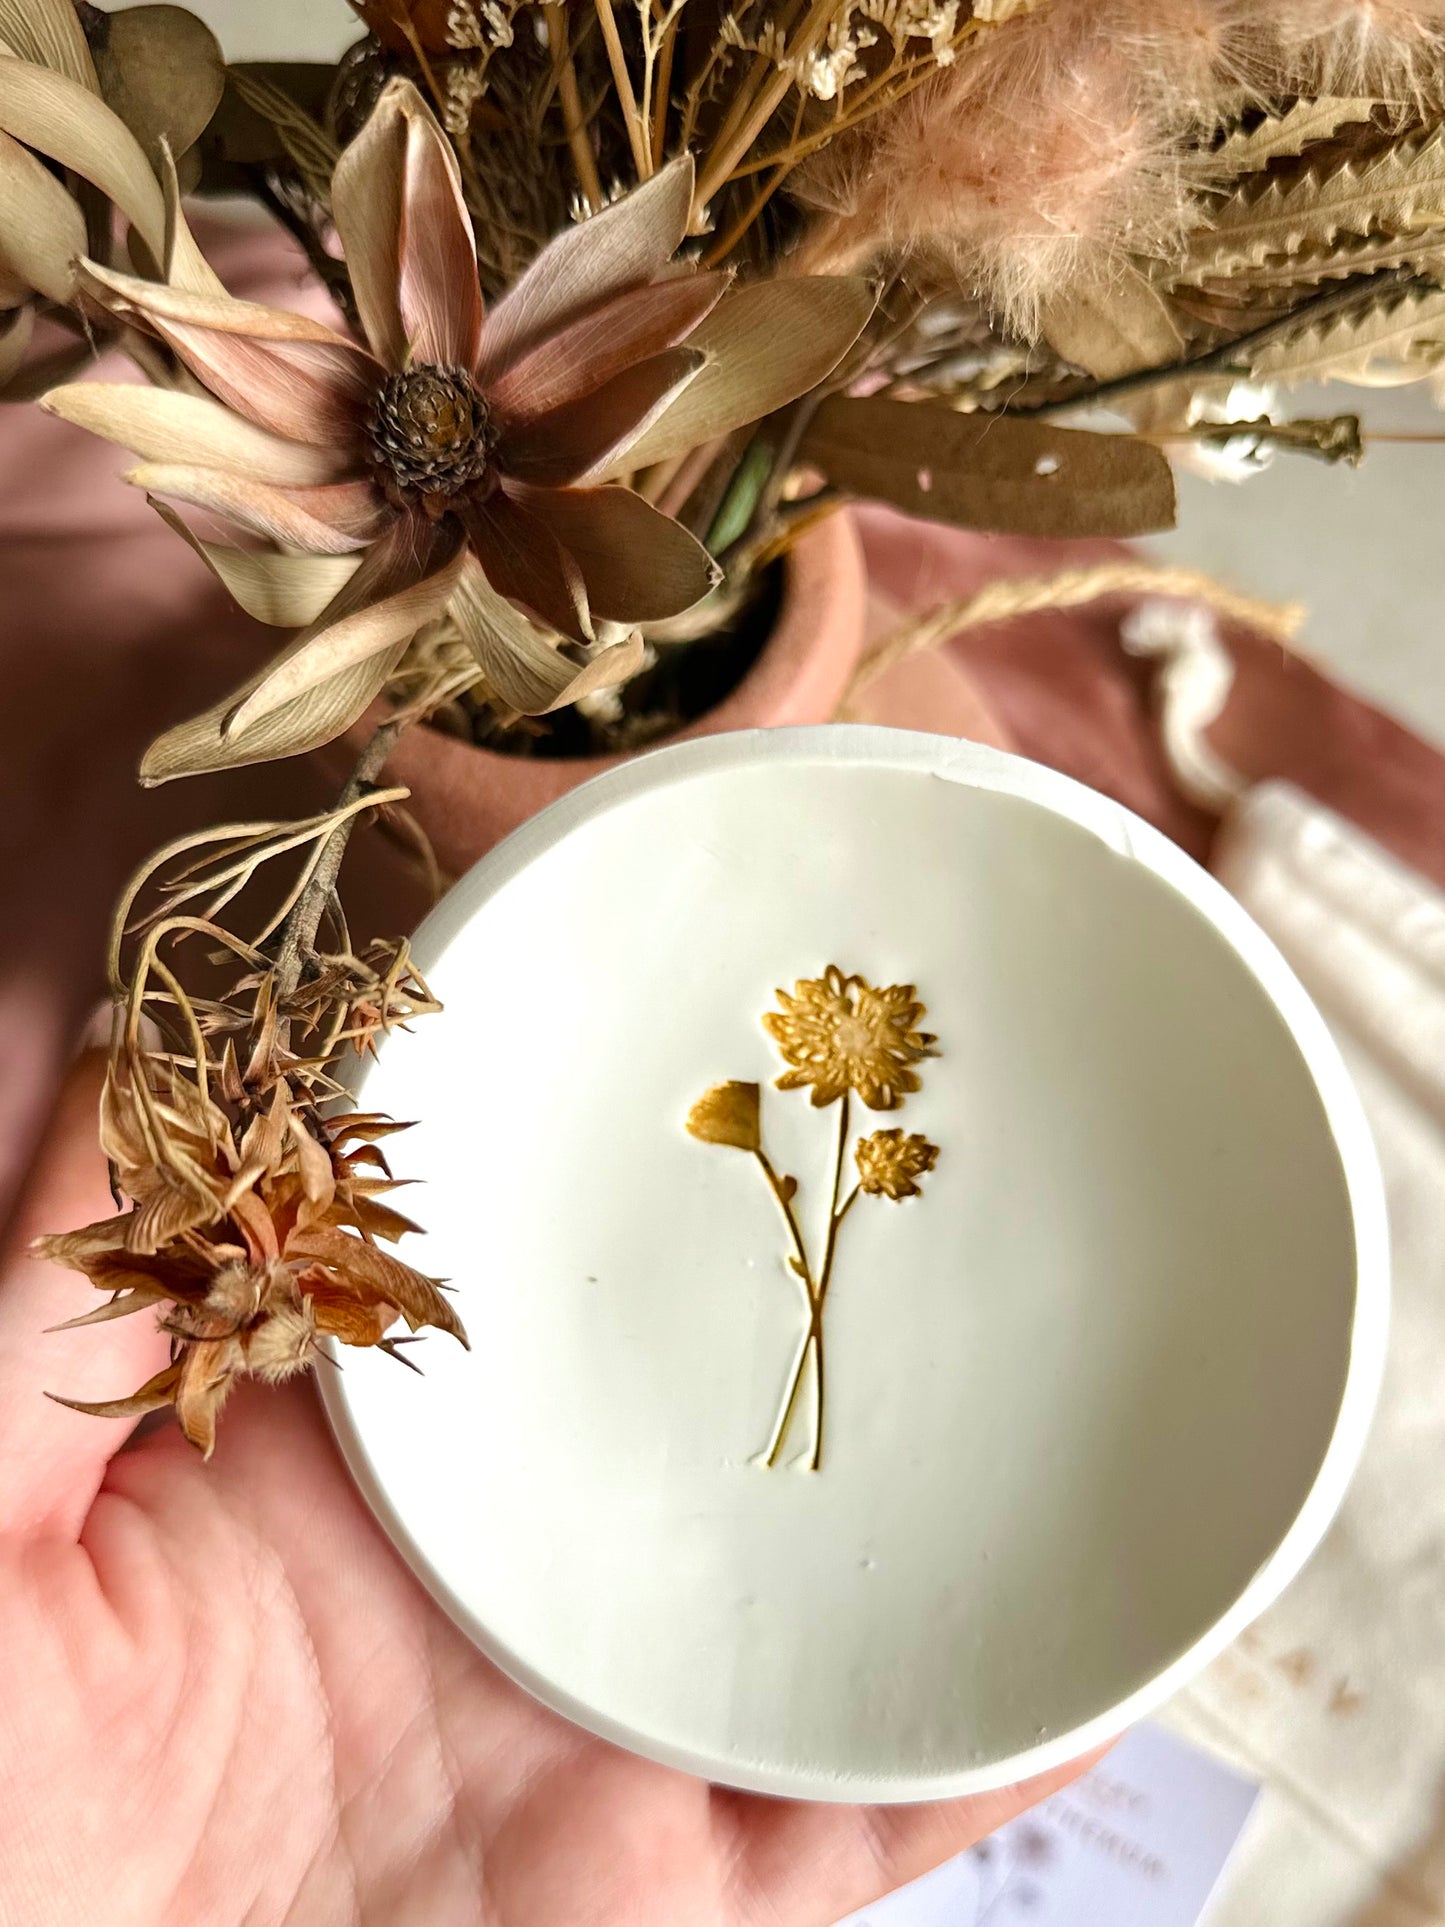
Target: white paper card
1142, 1839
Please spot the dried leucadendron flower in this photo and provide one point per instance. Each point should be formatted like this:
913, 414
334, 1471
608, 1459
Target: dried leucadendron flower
472, 465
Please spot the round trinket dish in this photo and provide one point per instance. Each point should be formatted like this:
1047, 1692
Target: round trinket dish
923, 1258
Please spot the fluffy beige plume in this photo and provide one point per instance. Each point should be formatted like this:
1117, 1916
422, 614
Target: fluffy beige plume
1073, 136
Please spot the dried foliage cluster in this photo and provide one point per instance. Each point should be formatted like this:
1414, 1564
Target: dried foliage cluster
627, 293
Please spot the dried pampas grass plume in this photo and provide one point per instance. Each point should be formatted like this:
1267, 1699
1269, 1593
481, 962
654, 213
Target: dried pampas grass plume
1077, 134
1050, 147
1390, 50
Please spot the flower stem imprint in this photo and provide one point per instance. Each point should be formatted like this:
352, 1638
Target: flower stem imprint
839, 1037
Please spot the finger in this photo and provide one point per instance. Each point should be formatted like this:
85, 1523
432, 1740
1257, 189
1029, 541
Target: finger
52, 1460
814, 1864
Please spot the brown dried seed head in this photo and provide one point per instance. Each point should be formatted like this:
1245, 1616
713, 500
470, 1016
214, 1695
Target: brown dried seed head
430, 433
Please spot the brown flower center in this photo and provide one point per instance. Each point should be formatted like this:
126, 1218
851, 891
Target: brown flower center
430, 436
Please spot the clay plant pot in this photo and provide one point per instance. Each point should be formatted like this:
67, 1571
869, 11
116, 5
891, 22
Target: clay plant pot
467, 798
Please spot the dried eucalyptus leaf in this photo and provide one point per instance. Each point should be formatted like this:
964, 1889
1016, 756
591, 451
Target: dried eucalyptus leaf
60, 119
47, 33
993, 472
1385, 343
766, 344
1400, 189
1113, 327
162, 70
42, 231
1281, 136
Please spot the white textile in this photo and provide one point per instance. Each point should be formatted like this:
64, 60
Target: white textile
1336, 1699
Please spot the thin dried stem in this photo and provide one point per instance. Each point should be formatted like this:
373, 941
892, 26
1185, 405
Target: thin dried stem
637, 138
299, 936
570, 100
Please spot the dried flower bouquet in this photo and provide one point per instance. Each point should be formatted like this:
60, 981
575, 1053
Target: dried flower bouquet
627, 293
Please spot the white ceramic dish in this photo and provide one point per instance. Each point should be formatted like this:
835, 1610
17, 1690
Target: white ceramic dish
1092, 1398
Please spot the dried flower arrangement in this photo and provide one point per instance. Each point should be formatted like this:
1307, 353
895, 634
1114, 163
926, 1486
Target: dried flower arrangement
629, 292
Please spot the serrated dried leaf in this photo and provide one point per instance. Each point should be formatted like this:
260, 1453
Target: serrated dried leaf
162, 70
1400, 189
59, 118
48, 33
1296, 274
728, 1114
999, 473
1383, 344
1281, 136
1112, 327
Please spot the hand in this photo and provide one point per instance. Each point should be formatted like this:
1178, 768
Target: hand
224, 1699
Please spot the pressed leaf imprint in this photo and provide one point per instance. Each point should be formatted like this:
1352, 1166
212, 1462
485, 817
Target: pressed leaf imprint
840, 1038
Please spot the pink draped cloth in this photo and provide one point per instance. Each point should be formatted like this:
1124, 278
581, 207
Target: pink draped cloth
110, 630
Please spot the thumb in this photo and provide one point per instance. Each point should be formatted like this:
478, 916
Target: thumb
52, 1460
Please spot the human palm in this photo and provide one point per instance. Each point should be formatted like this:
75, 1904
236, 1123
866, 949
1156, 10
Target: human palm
224, 1700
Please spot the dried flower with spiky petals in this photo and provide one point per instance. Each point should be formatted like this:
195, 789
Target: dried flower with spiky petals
890, 1164
469, 464
840, 1034
252, 1249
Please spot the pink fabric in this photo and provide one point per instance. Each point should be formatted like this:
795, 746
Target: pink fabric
110, 630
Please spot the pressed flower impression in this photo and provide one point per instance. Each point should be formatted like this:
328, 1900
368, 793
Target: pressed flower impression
840, 1037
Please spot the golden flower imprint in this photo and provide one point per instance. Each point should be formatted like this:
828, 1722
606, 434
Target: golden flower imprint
839, 1035
890, 1164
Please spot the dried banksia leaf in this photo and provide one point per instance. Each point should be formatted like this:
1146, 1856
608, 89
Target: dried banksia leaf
1281, 136
1386, 343
1402, 187
1296, 274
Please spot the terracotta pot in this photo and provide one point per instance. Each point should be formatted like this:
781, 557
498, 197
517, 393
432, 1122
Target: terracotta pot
467, 799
